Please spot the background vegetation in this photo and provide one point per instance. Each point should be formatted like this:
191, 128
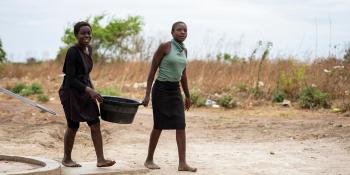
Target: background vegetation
228, 79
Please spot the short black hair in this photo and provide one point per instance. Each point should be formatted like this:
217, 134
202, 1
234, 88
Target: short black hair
80, 24
175, 24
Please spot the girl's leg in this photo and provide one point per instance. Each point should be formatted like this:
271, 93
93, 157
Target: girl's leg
153, 140
69, 137
97, 140
181, 145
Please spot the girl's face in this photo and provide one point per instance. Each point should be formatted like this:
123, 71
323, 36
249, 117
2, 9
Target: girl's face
180, 32
84, 35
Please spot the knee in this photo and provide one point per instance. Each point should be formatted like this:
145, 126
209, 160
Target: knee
180, 131
72, 130
95, 127
157, 130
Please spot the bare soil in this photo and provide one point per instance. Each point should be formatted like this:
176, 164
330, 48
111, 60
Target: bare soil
266, 140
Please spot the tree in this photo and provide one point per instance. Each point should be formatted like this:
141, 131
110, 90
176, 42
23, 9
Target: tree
347, 55
2, 54
112, 41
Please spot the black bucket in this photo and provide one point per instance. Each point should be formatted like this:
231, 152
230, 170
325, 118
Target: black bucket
118, 110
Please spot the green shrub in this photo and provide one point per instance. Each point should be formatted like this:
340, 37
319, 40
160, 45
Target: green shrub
36, 88
110, 91
197, 98
18, 88
312, 98
26, 92
43, 98
292, 82
227, 101
278, 96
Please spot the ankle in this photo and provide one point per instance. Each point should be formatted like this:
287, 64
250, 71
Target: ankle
149, 159
183, 163
101, 159
67, 158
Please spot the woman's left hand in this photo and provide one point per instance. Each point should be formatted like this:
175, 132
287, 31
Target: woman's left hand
187, 103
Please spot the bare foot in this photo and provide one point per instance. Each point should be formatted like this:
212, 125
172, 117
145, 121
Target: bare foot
105, 163
186, 168
151, 165
70, 163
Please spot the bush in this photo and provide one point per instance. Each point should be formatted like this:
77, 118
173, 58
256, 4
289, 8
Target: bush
292, 82
278, 96
36, 88
18, 88
197, 98
227, 101
43, 98
347, 56
312, 98
26, 92
110, 91
2, 54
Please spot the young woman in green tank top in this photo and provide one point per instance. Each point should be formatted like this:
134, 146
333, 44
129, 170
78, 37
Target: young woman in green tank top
168, 106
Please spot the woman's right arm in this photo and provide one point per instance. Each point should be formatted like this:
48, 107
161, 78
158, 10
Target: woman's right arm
157, 58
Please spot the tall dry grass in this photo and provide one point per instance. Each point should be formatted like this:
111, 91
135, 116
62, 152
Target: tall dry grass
208, 76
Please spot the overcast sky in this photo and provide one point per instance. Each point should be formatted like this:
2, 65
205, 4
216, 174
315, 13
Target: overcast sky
299, 28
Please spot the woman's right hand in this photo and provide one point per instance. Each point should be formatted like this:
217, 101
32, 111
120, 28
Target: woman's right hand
145, 101
93, 94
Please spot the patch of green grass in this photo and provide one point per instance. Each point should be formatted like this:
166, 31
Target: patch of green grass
25, 90
313, 98
18, 88
197, 98
227, 101
43, 98
36, 88
278, 96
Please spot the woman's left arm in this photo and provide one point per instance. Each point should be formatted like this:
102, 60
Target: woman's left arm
185, 89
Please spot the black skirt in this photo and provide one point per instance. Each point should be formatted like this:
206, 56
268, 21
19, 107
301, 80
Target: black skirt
78, 106
168, 106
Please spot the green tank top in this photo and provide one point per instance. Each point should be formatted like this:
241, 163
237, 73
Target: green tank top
173, 64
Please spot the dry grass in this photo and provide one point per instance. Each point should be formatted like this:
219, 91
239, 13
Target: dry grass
208, 76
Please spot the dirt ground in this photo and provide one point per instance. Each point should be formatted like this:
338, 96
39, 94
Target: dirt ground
268, 140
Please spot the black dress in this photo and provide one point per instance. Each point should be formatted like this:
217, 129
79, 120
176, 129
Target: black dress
168, 106
77, 104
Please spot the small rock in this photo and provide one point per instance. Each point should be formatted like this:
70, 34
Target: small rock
261, 84
339, 126
337, 110
272, 153
216, 106
286, 103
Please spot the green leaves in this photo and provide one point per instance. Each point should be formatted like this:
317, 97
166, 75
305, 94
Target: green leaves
109, 41
2, 54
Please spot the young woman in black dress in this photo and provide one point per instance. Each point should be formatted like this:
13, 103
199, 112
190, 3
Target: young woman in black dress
167, 102
78, 96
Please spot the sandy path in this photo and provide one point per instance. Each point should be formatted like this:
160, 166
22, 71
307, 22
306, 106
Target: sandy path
263, 140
